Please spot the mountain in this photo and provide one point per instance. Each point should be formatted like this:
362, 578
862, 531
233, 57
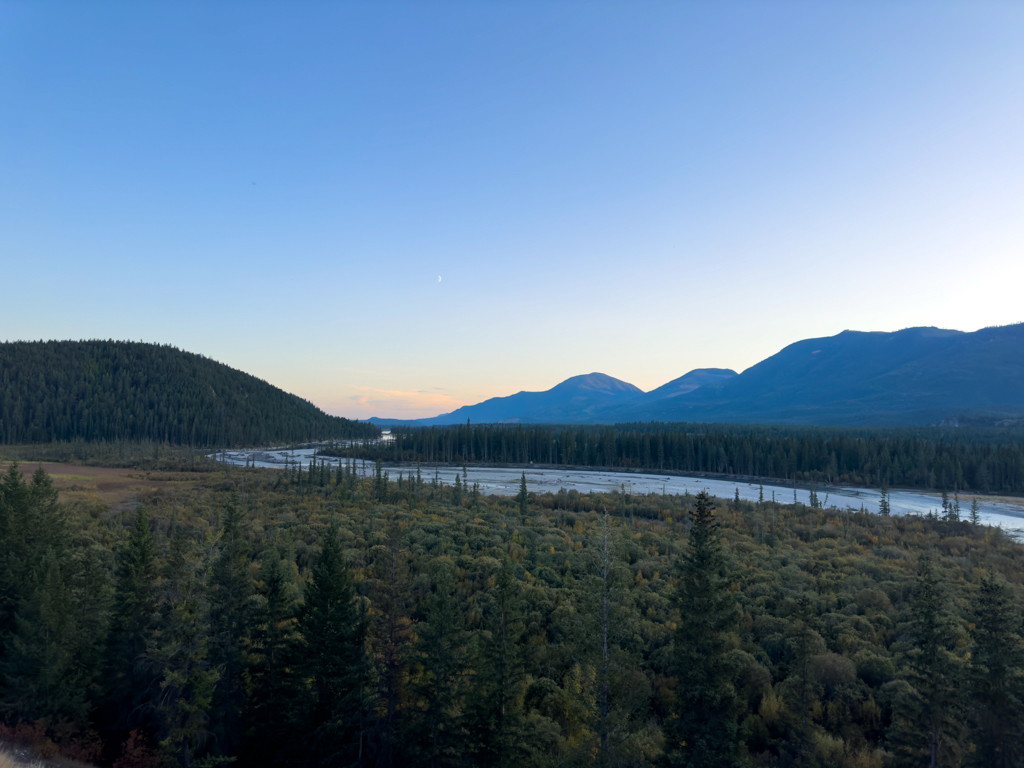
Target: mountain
701, 377
577, 399
120, 390
911, 377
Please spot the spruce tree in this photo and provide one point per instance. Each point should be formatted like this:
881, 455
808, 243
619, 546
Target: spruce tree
274, 689
230, 609
188, 679
443, 652
457, 491
703, 731
498, 716
332, 657
523, 496
975, 513
997, 678
927, 724
131, 676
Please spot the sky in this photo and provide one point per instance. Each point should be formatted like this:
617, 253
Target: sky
394, 209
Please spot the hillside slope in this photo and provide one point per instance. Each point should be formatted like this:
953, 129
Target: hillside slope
577, 399
916, 376
913, 376
117, 390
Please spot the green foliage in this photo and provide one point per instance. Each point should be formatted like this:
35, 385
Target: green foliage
134, 628
982, 460
128, 391
703, 729
928, 720
997, 677
331, 655
314, 624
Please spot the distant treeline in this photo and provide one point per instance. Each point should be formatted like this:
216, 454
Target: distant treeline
934, 458
125, 391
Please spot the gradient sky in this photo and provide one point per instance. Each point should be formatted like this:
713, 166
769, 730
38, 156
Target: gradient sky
633, 188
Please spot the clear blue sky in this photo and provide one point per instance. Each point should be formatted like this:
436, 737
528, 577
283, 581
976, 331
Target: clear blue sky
633, 188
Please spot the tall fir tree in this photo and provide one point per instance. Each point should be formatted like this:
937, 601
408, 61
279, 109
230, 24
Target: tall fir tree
997, 678
188, 679
500, 681
332, 659
230, 604
702, 731
132, 678
443, 650
274, 695
927, 725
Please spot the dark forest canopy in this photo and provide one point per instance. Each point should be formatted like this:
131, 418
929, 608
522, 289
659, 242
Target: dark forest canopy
131, 391
319, 617
983, 460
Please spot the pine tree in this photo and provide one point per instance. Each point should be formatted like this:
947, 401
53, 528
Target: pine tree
132, 679
703, 729
523, 496
55, 610
332, 657
883, 502
392, 644
928, 723
230, 610
457, 491
997, 678
975, 513
274, 689
32, 524
188, 681
500, 678
43, 675
443, 651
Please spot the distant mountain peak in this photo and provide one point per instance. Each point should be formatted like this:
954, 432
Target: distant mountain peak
916, 375
599, 382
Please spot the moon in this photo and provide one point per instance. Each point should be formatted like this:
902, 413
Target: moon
439, 278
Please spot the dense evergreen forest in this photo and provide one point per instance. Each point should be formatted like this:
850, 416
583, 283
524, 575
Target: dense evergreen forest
128, 391
316, 618
986, 461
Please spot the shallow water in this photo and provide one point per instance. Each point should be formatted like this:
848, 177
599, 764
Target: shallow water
505, 482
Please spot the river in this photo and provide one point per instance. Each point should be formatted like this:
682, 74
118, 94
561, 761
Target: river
504, 481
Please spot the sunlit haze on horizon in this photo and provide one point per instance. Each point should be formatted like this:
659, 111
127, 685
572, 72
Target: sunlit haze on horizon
637, 189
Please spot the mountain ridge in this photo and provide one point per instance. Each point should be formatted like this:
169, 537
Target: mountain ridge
917, 375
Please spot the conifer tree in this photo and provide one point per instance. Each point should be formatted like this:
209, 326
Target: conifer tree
703, 731
444, 655
883, 502
997, 678
927, 724
43, 672
230, 609
332, 657
975, 513
188, 680
273, 687
391, 639
523, 496
500, 680
132, 679
457, 491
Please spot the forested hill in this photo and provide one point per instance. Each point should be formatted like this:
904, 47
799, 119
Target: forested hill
120, 390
